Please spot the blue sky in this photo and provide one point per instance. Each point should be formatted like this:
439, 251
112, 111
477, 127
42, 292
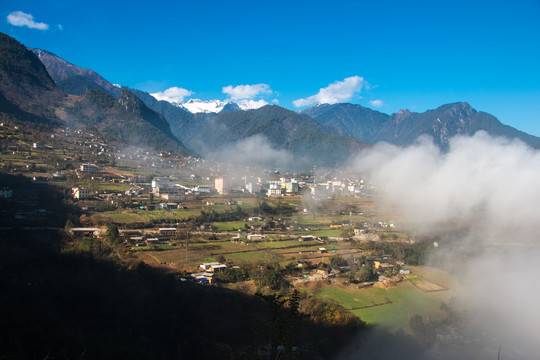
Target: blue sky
387, 55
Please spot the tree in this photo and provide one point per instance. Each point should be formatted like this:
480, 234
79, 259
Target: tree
365, 274
346, 233
270, 275
417, 325
270, 224
112, 234
284, 321
337, 260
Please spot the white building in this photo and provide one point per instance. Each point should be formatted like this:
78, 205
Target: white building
202, 189
252, 188
80, 193
273, 192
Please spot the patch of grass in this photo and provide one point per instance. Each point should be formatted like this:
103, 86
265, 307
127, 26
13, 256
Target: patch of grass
279, 244
137, 215
123, 218
229, 226
328, 233
113, 187
355, 299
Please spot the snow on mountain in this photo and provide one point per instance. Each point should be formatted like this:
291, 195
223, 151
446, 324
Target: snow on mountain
212, 106
251, 104
198, 106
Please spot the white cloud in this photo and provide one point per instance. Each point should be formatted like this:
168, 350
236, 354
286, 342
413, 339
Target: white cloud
18, 18
173, 95
246, 104
240, 92
376, 103
485, 190
275, 101
339, 91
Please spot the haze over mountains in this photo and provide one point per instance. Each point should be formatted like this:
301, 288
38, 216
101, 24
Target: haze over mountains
39, 86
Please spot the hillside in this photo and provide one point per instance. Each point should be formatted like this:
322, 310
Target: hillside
356, 121
72, 79
29, 94
125, 119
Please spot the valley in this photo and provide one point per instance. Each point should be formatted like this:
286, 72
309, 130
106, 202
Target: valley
135, 225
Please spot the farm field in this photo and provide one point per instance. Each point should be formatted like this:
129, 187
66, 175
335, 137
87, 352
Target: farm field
391, 308
325, 232
136, 215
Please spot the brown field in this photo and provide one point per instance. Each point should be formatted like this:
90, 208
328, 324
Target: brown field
115, 172
427, 286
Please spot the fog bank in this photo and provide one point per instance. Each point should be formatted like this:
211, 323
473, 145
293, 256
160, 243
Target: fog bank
487, 190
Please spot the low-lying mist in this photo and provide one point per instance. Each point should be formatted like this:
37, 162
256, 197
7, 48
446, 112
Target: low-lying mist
487, 190
253, 151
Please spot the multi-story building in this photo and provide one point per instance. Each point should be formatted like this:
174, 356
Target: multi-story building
89, 168
80, 193
221, 186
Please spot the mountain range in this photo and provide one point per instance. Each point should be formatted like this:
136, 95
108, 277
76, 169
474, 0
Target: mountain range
40, 87
30, 94
404, 127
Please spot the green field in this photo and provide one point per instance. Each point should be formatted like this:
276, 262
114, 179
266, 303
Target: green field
325, 232
406, 301
231, 225
137, 215
281, 244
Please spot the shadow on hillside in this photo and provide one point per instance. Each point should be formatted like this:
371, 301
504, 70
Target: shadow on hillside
70, 305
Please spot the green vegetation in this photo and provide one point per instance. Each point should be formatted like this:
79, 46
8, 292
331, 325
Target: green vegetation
319, 233
390, 308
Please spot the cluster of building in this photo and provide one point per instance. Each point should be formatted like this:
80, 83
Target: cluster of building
136, 238
208, 270
276, 185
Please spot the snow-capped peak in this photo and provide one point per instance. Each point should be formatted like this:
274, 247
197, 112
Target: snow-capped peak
198, 106
212, 106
